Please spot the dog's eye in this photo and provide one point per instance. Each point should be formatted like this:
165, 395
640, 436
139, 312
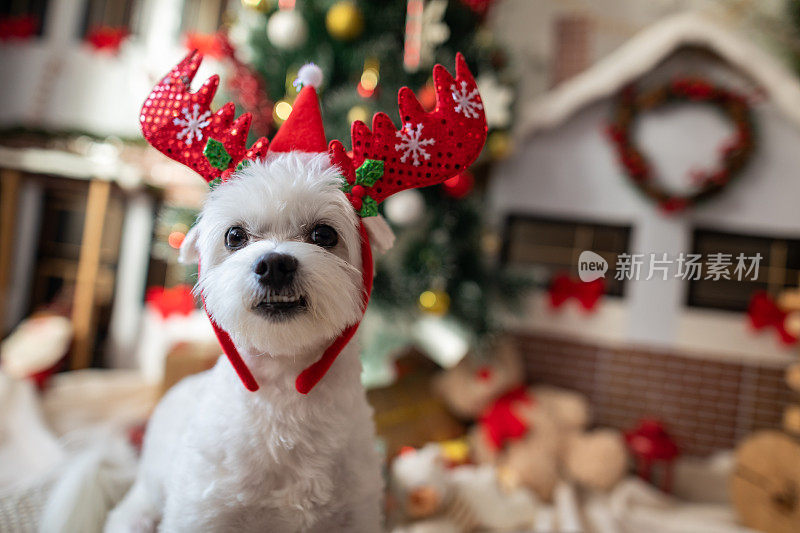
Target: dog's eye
235, 238
324, 235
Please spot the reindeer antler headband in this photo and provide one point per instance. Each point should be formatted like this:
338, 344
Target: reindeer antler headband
429, 148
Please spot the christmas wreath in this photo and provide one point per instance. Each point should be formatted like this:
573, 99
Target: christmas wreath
733, 154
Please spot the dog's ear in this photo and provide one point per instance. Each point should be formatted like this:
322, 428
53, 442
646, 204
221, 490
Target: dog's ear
381, 236
189, 253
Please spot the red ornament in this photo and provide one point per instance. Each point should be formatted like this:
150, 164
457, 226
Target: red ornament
763, 313
364, 92
480, 7
650, 445
19, 28
106, 39
500, 423
459, 186
207, 44
247, 87
178, 300
484, 373
563, 287
427, 97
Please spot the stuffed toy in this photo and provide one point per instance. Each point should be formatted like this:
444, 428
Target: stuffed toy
435, 497
279, 437
535, 436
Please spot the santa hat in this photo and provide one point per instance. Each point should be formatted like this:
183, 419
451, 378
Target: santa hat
303, 130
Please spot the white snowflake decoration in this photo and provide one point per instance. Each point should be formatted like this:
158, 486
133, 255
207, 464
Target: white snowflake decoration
193, 124
425, 32
496, 100
412, 144
467, 102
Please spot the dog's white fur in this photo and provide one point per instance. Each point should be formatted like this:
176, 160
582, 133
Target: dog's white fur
219, 458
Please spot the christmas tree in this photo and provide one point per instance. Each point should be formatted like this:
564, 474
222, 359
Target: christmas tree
438, 275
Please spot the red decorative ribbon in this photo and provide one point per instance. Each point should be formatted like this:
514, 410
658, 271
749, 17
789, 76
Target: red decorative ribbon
500, 423
563, 287
763, 312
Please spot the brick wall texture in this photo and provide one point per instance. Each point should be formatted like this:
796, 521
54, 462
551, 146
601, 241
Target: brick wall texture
707, 405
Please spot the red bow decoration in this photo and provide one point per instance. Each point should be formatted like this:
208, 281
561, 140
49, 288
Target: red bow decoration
763, 312
499, 421
563, 287
18, 28
650, 443
175, 301
107, 38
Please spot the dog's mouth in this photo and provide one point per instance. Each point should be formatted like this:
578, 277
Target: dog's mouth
280, 306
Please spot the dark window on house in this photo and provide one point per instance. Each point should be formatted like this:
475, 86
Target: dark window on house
546, 246
110, 13
779, 267
33, 11
202, 16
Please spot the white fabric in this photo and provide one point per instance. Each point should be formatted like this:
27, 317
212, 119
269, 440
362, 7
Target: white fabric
634, 506
159, 335
67, 484
37, 344
28, 449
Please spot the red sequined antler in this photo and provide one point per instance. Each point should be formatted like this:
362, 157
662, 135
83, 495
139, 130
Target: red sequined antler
180, 124
428, 149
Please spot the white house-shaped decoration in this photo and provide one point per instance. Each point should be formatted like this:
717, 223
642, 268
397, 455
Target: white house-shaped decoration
565, 168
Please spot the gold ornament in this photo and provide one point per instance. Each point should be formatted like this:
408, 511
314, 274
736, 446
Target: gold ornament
259, 5
281, 111
499, 145
793, 377
791, 419
357, 112
435, 302
455, 451
491, 243
344, 21
792, 323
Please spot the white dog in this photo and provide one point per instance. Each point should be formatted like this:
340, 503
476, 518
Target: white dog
281, 240
281, 261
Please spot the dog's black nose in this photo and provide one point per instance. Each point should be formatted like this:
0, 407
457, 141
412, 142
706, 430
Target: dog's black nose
275, 270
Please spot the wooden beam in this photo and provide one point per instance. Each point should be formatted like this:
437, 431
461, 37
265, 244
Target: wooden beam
10, 183
88, 265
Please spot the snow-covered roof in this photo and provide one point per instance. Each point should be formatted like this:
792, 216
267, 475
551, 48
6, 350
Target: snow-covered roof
647, 49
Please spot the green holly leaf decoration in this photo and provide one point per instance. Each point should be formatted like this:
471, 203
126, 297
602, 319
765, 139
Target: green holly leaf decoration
214, 183
217, 155
346, 187
243, 164
370, 171
369, 207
